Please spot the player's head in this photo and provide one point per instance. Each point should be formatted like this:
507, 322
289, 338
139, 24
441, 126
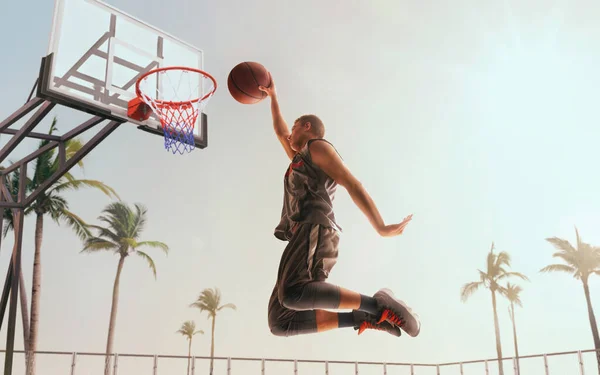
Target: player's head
305, 127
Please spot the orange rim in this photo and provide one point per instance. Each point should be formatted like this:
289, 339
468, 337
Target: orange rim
139, 92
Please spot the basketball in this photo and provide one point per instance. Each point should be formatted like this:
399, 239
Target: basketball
244, 79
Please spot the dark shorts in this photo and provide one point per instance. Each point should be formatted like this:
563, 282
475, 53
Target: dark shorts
309, 256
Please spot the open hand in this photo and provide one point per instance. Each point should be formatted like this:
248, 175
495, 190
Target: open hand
395, 229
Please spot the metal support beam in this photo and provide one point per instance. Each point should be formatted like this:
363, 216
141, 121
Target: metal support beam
19, 113
29, 125
14, 277
66, 166
33, 135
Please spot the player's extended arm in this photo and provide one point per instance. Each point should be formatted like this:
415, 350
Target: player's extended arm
326, 158
279, 125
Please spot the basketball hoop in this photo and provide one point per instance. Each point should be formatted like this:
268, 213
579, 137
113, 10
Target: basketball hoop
185, 88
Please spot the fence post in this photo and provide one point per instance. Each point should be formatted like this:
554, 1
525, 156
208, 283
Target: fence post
73, 360
295, 367
155, 372
487, 368
412, 369
262, 366
356, 368
515, 366
546, 364
438, 369
193, 364
580, 358
384, 369
116, 364
461, 369
326, 368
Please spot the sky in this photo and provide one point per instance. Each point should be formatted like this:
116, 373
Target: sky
477, 117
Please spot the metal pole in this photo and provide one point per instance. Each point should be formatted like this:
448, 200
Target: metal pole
546, 364
580, 358
193, 364
326, 367
262, 366
116, 361
515, 366
438, 369
229, 366
16, 265
384, 369
22, 133
487, 369
461, 369
295, 367
356, 368
412, 369
6, 291
19, 113
73, 361
155, 372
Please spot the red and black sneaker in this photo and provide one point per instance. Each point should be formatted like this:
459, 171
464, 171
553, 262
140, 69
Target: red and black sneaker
368, 321
397, 313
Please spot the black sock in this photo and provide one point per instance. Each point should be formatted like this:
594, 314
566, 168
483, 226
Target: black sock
346, 319
368, 304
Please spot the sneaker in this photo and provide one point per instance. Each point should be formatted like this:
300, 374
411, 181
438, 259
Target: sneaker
397, 313
367, 321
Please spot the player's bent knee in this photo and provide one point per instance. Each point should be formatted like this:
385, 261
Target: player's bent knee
308, 296
291, 300
278, 330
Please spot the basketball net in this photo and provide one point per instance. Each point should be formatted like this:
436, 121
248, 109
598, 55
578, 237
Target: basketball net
180, 95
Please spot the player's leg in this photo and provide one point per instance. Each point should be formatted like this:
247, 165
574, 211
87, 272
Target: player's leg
287, 322
310, 255
306, 264
383, 305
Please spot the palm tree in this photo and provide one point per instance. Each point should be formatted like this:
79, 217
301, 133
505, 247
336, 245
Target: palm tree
210, 301
54, 204
490, 279
512, 293
581, 262
188, 329
121, 236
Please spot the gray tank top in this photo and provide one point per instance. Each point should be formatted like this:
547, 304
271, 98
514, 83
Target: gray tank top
308, 195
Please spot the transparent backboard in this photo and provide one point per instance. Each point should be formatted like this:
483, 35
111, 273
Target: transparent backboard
96, 54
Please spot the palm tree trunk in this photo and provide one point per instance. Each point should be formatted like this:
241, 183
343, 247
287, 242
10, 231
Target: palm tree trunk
189, 355
36, 291
594, 326
113, 317
514, 324
212, 346
497, 328
25, 319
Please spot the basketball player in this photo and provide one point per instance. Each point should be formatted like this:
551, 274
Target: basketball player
301, 296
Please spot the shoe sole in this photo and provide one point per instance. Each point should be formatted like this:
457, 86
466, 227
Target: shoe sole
411, 318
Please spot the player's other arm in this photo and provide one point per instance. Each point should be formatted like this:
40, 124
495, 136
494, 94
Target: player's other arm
326, 158
281, 128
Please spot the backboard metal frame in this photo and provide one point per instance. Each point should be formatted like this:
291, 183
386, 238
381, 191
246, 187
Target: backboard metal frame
57, 97
98, 93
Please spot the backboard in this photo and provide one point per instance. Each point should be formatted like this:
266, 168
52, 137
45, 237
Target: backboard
96, 54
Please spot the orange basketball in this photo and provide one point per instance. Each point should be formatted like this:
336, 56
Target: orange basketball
244, 79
